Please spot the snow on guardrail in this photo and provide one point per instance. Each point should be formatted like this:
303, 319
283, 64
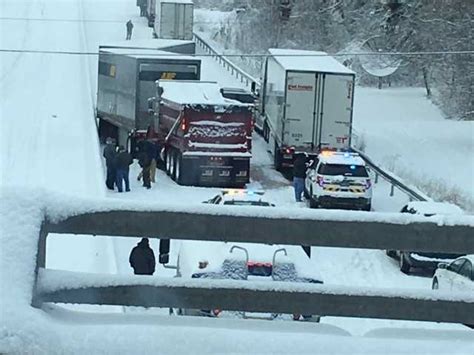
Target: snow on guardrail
240, 74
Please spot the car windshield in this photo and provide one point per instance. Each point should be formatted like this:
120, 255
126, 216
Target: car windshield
246, 203
342, 169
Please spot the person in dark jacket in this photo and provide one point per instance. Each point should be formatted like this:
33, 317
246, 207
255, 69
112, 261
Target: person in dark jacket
110, 154
142, 258
299, 174
122, 163
145, 162
129, 26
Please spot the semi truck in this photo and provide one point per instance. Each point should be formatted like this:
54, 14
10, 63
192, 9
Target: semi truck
306, 104
205, 138
174, 19
126, 81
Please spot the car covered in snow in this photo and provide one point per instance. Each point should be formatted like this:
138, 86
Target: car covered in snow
239, 197
425, 260
339, 179
455, 276
245, 261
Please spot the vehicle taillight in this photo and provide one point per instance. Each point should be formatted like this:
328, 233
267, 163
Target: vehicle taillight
184, 125
320, 180
368, 183
289, 150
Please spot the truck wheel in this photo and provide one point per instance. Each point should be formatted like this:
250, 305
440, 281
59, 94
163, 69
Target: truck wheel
173, 164
177, 169
391, 253
168, 161
277, 158
404, 266
368, 207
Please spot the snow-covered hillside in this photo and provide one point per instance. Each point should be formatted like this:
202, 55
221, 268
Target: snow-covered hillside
49, 145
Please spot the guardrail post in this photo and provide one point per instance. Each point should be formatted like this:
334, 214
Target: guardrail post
376, 178
392, 190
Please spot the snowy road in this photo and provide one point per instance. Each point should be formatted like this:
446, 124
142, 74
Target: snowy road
48, 139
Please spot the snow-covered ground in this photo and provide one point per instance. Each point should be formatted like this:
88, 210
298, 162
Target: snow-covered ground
49, 140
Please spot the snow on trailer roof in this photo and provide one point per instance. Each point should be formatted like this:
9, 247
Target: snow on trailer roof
194, 92
154, 44
295, 59
144, 53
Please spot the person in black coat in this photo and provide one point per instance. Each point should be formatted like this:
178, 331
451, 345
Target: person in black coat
299, 174
145, 162
110, 155
122, 163
142, 258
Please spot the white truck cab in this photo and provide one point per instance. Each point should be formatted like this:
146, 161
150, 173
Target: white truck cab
339, 179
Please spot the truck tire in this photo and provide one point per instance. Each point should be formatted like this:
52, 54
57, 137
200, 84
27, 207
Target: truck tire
266, 131
168, 161
277, 158
173, 164
177, 169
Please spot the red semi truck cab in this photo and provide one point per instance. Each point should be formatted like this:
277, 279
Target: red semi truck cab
206, 138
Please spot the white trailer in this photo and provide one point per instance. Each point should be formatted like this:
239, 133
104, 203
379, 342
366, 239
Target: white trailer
174, 19
307, 100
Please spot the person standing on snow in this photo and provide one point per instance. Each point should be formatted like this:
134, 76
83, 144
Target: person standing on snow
110, 154
123, 162
144, 161
142, 258
299, 174
129, 26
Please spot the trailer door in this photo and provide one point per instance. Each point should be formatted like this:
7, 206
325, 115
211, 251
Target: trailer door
336, 111
300, 109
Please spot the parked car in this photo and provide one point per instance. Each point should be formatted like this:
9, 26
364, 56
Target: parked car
245, 261
425, 260
239, 197
339, 179
455, 276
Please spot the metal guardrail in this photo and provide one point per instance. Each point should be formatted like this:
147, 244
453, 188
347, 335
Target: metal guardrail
394, 182
240, 74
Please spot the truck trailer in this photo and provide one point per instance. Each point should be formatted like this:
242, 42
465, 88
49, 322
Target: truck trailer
150, 12
306, 104
126, 81
205, 138
174, 19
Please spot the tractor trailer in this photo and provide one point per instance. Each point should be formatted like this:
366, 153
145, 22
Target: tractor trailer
205, 138
306, 104
126, 82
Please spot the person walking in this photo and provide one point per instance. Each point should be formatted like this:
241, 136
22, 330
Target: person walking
110, 154
129, 26
299, 174
142, 258
144, 161
123, 162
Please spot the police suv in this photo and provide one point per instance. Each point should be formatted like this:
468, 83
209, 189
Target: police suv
338, 179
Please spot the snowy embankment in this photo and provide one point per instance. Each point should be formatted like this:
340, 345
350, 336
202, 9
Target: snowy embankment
400, 128
28, 330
